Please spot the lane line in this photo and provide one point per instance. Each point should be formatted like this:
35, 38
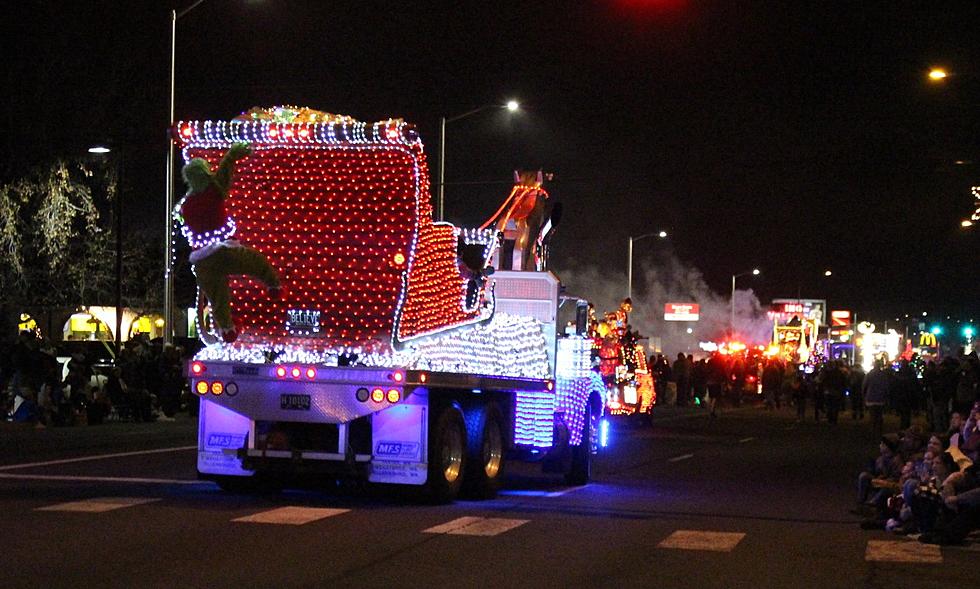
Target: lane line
96, 479
98, 457
565, 491
291, 515
681, 457
99, 504
700, 540
743, 440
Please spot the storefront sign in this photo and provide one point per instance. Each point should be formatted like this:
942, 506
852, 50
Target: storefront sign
681, 311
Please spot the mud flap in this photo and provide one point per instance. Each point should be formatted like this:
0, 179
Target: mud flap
399, 436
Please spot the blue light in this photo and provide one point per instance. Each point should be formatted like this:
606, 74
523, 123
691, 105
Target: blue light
968, 331
604, 433
936, 330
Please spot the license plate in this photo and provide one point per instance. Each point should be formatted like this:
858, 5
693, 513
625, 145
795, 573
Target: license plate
294, 402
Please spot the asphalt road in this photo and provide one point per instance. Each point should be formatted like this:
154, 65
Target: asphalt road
750, 499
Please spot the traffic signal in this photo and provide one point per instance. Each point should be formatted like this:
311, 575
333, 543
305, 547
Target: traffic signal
936, 330
968, 332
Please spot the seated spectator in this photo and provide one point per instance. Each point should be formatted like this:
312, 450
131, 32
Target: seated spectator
927, 500
887, 468
955, 428
960, 513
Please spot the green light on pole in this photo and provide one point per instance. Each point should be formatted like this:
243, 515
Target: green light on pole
936, 330
968, 332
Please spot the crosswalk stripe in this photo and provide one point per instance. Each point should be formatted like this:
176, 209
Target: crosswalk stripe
291, 515
476, 526
99, 504
902, 551
701, 540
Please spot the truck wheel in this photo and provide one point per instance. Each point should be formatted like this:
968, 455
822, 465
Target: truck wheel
485, 452
581, 471
447, 456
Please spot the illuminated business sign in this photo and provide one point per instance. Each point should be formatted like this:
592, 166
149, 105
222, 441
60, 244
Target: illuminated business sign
783, 310
927, 340
681, 311
840, 318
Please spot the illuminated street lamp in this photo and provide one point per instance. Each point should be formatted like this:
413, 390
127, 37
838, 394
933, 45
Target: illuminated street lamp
966, 223
510, 105
828, 272
938, 74
753, 272
629, 263
101, 152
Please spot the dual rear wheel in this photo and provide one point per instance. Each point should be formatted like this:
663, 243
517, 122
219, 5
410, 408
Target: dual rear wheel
466, 455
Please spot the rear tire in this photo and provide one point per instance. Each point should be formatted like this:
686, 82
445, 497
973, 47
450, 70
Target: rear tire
447, 456
581, 471
485, 458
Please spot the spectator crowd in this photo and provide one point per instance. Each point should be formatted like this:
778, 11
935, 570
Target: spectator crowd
45, 384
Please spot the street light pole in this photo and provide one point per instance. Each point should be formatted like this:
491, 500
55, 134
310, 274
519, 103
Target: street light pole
102, 150
629, 259
168, 270
731, 325
512, 105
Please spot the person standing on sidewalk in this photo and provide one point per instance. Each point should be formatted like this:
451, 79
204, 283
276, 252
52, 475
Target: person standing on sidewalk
682, 376
876, 389
856, 387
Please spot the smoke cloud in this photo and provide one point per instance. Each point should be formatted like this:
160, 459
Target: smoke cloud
668, 280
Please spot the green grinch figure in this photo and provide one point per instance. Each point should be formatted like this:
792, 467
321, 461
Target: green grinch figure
209, 231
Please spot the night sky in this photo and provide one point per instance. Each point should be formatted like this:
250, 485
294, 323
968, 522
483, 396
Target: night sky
792, 136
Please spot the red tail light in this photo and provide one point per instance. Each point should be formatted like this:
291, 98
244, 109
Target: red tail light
198, 368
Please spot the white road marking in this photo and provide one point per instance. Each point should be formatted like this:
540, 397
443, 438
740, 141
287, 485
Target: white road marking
99, 457
477, 526
292, 515
903, 551
699, 540
456, 524
681, 457
743, 440
88, 479
98, 505
565, 491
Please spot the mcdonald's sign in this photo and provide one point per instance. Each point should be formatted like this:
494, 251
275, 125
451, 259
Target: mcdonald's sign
927, 340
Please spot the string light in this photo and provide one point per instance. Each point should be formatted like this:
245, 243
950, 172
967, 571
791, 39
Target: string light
341, 209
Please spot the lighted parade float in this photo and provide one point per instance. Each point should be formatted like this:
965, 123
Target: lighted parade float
377, 343
623, 363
